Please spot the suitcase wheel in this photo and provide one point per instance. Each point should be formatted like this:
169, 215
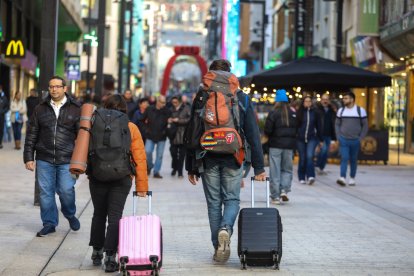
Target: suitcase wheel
243, 261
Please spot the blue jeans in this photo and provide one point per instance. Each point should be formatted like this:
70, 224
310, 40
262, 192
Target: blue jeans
17, 131
149, 149
306, 166
221, 187
349, 149
55, 179
281, 171
322, 157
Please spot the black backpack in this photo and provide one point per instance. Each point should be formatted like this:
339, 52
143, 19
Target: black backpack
109, 156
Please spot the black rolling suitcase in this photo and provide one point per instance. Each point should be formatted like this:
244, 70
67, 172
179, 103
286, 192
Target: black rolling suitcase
260, 235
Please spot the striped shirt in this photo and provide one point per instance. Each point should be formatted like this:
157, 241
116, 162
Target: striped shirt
351, 125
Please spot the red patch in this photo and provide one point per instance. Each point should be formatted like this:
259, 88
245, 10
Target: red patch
229, 138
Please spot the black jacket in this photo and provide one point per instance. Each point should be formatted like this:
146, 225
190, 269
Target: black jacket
310, 124
183, 114
328, 118
52, 139
281, 135
31, 103
156, 123
4, 104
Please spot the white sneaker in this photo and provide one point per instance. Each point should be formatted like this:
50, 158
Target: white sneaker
341, 181
276, 201
311, 180
223, 251
302, 182
352, 182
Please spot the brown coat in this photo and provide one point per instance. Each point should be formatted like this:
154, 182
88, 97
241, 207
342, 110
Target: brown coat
138, 153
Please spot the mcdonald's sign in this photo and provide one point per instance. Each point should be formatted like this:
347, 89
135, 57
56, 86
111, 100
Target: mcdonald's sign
14, 49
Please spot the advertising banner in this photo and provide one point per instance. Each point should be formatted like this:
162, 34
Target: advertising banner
73, 68
368, 17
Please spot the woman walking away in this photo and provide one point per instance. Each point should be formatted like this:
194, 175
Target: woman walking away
109, 196
280, 127
18, 110
309, 135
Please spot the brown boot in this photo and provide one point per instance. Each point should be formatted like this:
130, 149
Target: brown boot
17, 144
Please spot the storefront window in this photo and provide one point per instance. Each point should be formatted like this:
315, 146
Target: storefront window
394, 113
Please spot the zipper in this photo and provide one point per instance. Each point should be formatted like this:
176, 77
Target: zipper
307, 126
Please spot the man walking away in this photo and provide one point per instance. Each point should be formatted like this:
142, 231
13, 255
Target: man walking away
351, 126
131, 104
221, 173
136, 119
328, 134
156, 119
4, 107
53, 128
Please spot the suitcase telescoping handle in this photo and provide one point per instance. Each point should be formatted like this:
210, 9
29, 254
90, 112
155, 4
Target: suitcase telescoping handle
267, 192
134, 198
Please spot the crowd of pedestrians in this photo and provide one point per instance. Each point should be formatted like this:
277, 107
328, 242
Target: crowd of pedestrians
305, 127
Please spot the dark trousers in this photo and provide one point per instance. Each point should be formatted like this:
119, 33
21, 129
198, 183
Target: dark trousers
178, 156
1, 128
108, 202
17, 131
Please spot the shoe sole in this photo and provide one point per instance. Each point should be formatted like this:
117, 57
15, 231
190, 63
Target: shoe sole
223, 250
341, 183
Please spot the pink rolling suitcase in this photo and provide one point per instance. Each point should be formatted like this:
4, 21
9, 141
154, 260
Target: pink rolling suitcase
140, 243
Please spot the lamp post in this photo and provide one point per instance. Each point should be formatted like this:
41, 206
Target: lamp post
121, 46
264, 22
131, 9
101, 47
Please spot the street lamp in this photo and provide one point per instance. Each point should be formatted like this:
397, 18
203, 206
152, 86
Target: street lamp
264, 22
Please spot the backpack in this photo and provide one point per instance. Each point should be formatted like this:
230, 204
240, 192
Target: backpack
109, 157
221, 114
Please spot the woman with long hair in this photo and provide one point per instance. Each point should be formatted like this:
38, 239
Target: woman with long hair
280, 127
109, 197
18, 110
309, 136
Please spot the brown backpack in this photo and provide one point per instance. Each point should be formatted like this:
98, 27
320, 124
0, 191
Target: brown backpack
221, 115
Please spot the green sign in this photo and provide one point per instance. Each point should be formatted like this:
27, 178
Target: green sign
300, 52
368, 17
1, 32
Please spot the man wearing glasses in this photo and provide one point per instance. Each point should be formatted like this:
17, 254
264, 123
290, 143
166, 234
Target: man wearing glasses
156, 120
51, 134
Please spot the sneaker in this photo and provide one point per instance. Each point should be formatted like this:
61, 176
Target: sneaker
302, 182
311, 180
341, 181
352, 182
173, 172
74, 223
276, 201
283, 196
180, 175
320, 171
223, 250
46, 231
97, 256
157, 175
110, 263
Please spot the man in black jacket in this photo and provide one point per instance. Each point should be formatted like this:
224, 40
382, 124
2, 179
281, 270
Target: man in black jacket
4, 107
328, 111
222, 175
156, 120
52, 133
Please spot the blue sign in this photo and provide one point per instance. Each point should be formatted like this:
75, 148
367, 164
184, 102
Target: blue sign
73, 68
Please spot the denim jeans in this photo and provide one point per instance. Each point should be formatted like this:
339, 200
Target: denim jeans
17, 131
281, 171
221, 185
108, 202
306, 166
149, 149
322, 157
55, 179
349, 149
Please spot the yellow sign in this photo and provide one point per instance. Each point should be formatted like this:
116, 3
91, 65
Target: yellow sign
15, 49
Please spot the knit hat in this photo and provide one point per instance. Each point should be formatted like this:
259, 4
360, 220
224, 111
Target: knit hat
281, 96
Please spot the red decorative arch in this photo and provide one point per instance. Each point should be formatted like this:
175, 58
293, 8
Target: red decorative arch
182, 51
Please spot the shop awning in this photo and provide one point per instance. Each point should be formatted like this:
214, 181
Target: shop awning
316, 73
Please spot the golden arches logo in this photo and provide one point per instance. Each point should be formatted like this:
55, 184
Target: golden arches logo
17, 47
